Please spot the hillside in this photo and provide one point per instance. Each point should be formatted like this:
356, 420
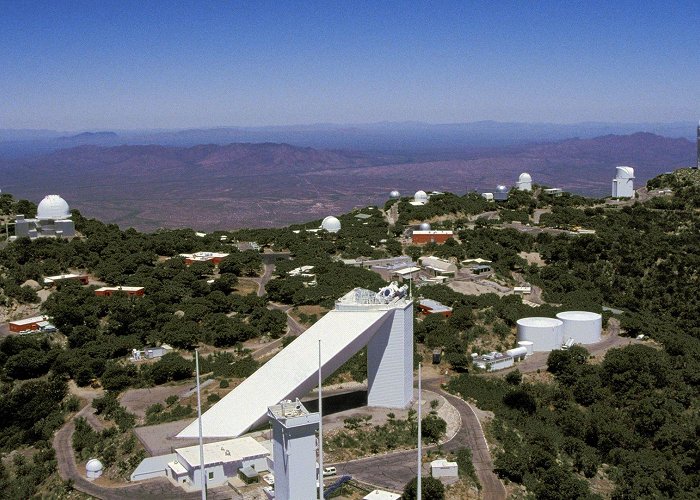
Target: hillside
269, 185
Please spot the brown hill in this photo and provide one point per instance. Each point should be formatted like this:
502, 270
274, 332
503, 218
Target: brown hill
248, 185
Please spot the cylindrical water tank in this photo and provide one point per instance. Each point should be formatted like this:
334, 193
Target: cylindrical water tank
517, 352
544, 333
582, 326
527, 345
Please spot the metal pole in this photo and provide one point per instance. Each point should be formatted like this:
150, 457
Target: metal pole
201, 441
419, 491
320, 426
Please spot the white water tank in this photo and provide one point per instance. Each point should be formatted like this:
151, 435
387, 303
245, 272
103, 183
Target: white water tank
527, 345
582, 326
545, 333
93, 468
517, 352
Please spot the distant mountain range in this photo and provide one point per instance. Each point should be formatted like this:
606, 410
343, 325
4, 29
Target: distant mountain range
404, 137
268, 184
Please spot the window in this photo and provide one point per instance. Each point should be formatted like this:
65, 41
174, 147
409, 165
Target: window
211, 475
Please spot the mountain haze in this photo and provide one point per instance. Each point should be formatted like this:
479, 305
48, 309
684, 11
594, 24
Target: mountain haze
251, 185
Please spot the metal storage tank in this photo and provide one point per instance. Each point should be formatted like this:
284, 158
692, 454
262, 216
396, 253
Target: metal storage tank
545, 333
582, 326
517, 352
527, 345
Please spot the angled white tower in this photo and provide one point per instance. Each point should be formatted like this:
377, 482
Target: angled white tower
293, 450
623, 183
382, 321
697, 165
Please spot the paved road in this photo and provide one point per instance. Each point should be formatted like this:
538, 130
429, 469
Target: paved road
394, 470
155, 489
294, 329
262, 281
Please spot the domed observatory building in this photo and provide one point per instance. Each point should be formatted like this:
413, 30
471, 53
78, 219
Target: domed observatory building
501, 193
420, 198
623, 183
394, 195
524, 182
330, 224
52, 220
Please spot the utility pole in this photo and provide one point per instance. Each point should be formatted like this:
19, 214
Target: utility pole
201, 440
419, 491
320, 425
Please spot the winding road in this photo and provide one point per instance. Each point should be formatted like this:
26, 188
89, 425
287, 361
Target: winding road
394, 470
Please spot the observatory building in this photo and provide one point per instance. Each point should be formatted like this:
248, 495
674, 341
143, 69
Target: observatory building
501, 193
294, 450
697, 165
52, 220
623, 183
420, 198
330, 224
394, 195
524, 182
382, 321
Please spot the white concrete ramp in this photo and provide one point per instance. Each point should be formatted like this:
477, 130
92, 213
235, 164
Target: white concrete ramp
292, 373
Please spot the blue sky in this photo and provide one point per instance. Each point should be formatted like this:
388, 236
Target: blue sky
73, 65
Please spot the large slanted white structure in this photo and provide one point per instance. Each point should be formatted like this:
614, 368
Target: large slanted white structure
381, 321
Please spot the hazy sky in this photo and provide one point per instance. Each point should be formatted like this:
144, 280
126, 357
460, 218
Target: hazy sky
73, 65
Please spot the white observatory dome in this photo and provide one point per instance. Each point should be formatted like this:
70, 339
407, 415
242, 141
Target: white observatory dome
525, 177
624, 173
420, 197
501, 189
394, 195
424, 226
524, 182
93, 468
331, 224
53, 207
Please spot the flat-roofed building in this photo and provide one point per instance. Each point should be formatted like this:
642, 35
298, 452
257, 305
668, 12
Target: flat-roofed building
213, 257
493, 361
439, 266
108, 291
52, 280
431, 236
222, 460
429, 306
32, 323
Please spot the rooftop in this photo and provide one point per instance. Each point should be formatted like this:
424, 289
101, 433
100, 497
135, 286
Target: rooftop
434, 305
231, 450
119, 289
29, 321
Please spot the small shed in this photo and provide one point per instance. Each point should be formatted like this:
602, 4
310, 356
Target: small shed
248, 475
443, 468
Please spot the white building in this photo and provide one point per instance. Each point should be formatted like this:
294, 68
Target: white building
623, 183
294, 446
381, 495
52, 220
524, 182
221, 462
420, 198
330, 224
443, 468
381, 321
439, 266
493, 361
487, 196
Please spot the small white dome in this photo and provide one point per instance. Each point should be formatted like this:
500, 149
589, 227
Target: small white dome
525, 177
331, 224
501, 189
395, 195
624, 173
53, 207
94, 468
420, 196
425, 226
